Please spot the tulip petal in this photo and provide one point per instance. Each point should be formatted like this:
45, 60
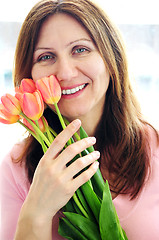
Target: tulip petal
27, 85
50, 89
40, 123
55, 88
18, 90
43, 88
6, 117
19, 96
11, 104
33, 105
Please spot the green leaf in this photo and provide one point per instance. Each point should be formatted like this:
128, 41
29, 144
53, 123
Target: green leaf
97, 179
109, 224
77, 209
83, 134
69, 207
98, 183
69, 231
79, 205
125, 237
91, 199
88, 228
84, 203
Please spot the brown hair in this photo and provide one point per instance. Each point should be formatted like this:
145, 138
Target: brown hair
121, 137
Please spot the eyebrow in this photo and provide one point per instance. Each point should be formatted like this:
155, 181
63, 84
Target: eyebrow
70, 43
78, 40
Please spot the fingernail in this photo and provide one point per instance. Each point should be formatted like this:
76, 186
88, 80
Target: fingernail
96, 154
91, 140
76, 123
96, 164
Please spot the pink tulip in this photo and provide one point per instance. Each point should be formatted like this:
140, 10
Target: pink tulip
40, 122
50, 89
18, 90
19, 96
11, 104
33, 105
6, 117
27, 85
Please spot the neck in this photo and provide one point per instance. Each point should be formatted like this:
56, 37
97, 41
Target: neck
89, 124
91, 120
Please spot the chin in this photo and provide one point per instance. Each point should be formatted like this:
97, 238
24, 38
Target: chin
72, 116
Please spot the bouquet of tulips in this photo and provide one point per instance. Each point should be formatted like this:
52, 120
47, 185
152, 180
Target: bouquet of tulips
90, 213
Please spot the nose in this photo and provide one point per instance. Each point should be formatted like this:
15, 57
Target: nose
66, 69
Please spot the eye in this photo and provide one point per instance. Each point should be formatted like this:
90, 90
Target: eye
80, 50
48, 57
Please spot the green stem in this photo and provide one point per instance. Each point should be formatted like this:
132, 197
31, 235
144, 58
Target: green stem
52, 131
61, 120
79, 205
42, 142
37, 130
34, 135
70, 142
31, 132
60, 116
84, 203
51, 138
75, 134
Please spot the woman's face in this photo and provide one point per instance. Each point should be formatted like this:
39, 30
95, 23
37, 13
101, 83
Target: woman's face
65, 49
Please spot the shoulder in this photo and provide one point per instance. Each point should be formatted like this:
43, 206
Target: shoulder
13, 173
9, 161
153, 144
152, 180
139, 217
13, 190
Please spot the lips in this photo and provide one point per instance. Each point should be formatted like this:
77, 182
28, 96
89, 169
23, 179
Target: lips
73, 90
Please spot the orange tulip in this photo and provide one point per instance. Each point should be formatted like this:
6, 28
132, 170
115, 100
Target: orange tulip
50, 89
6, 117
33, 105
11, 104
40, 122
27, 85
19, 96
18, 90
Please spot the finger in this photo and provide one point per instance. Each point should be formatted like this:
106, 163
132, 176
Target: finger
84, 176
72, 150
80, 164
62, 138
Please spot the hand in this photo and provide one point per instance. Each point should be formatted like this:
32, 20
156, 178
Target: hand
53, 183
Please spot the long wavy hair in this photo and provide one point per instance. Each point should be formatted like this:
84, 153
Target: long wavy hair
121, 135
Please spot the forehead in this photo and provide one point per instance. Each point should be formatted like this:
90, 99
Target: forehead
62, 25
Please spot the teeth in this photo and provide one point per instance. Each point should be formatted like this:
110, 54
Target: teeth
73, 90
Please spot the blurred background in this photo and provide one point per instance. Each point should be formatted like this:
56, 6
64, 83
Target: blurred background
138, 22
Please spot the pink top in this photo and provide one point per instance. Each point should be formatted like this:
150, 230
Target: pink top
139, 217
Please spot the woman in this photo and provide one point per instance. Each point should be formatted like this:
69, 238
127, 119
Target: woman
76, 42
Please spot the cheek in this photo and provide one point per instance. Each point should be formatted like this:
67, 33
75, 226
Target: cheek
35, 73
39, 72
97, 68
101, 82
100, 74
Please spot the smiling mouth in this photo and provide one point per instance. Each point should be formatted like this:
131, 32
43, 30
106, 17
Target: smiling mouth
73, 90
